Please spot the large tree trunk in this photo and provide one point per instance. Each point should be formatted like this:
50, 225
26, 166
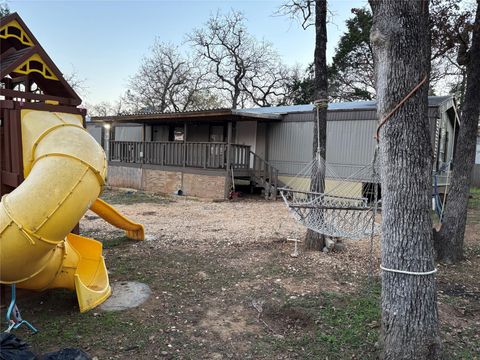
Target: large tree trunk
400, 38
449, 240
314, 240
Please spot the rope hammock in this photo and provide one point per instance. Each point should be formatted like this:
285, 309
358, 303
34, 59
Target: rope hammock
336, 205
345, 208
342, 206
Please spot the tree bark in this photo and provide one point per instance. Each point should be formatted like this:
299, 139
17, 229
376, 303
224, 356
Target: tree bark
314, 240
449, 239
401, 43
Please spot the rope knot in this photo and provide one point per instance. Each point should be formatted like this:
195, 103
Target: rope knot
321, 103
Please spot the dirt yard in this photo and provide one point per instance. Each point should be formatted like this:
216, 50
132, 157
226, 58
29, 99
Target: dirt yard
225, 287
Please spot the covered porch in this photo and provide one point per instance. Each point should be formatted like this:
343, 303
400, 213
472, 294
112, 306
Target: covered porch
201, 155
161, 152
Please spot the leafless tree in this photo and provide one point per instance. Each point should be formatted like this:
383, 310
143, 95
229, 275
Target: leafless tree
270, 87
301, 10
244, 70
106, 108
166, 81
77, 83
4, 9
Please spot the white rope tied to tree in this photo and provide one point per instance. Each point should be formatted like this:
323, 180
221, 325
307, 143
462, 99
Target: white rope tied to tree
416, 273
321, 103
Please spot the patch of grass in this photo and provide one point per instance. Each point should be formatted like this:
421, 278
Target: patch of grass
474, 201
128, 197
336, 326
62, 325
112, 239
116, 241
461, 345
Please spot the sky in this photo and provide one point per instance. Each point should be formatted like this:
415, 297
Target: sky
103, 42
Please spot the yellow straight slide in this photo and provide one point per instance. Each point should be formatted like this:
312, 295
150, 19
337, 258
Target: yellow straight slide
111, 215
65, 171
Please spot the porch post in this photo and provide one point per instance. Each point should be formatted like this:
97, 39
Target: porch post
229, 147
143, 147
228, 160
184, 144
106, 129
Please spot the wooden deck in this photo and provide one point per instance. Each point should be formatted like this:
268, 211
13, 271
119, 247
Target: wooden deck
204, 156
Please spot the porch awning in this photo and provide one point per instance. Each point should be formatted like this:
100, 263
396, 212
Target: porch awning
220, 115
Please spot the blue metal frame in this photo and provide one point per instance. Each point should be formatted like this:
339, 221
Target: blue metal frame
438, 200
12, 324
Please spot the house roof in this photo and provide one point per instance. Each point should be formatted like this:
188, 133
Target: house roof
202, 115
433, 101
262, 113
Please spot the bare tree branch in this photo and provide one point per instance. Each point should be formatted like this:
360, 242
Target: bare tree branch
242, 68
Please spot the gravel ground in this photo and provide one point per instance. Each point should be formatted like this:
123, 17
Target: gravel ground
245, 224
190, 222
224, 286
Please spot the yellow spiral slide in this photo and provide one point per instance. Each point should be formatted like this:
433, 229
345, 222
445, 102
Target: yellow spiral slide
65, 170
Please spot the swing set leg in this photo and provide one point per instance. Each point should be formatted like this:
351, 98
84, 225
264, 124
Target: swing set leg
14, 319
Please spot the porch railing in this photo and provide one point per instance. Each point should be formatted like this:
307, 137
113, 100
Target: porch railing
207, 155
264, 173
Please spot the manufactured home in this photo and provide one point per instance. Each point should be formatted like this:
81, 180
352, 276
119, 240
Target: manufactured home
202, 152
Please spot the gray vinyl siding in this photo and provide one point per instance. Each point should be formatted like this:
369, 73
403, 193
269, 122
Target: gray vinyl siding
476, 176
260, 147
350, 141
477, 156
350, 145
290, 146
96, 130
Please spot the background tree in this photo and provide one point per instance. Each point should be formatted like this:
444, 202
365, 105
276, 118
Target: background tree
451, 21
449, 239
301, 86
76, 82
167, 81
242, 69
352, 72
269, 85
106, 108
4, 9
402, 60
